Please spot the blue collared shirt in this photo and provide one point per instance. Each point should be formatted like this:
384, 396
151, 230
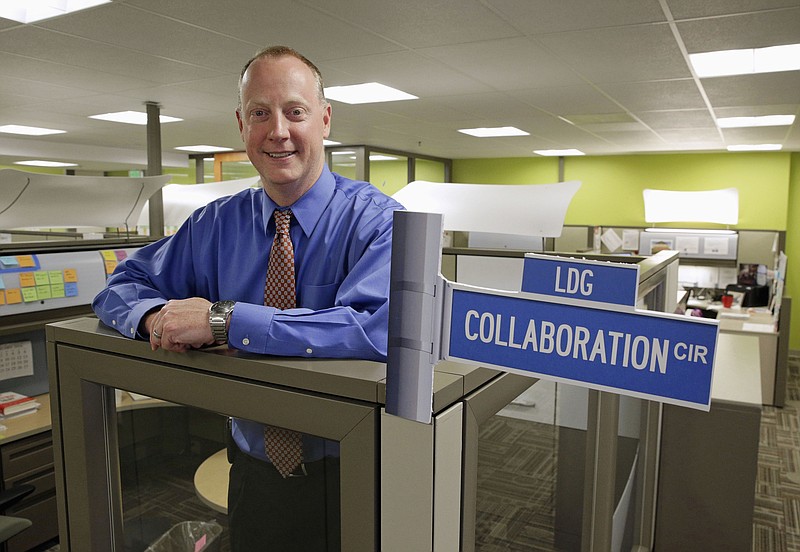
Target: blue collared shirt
341, 232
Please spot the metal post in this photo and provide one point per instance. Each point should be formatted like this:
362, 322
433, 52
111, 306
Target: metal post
600, 474
414, 314
156, 202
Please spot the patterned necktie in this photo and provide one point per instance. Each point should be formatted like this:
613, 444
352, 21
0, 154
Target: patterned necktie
284, 447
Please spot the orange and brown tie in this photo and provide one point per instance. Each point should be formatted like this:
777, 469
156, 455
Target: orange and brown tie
284, 447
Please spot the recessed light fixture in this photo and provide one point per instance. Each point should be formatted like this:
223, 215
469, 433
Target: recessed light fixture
761, 121
755, 147
132, 117
29, 11
379, 157
343, 152
368, 92
40, 163
493, 132
326, 142
203, 149
29, 130
746, 61
558, 152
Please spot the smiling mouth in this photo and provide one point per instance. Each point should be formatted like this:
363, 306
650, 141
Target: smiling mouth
281, 155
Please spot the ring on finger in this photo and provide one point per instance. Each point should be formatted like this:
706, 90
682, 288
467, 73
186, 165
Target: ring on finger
156, 334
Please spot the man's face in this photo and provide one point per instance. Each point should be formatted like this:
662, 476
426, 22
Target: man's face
283, 121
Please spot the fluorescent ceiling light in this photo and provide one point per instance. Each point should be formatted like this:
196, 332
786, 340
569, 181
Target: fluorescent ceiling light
747, 61
493, 132
39, 163
203, 149
558, 152
326, 142
369, 92
688, 231
764, 120
755, 147
29, 130
343, 152
29, 11
379, 157
132, 117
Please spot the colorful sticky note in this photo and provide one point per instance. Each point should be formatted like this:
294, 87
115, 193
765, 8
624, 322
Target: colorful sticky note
121, 254
42, 278
110, 266
43, 292
57, 290
26, 261
29, 294
26, 279
13, 296
70, 275
9, 262
108, 255
2, 283
56, 277
2, 297
71, 289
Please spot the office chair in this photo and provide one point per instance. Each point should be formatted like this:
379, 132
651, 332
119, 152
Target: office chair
10, 526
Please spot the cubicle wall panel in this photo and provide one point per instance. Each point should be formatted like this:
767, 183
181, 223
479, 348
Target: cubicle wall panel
85, 382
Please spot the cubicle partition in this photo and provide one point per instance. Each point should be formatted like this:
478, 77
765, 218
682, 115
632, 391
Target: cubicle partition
400, 480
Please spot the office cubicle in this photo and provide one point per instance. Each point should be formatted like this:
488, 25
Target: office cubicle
534, 485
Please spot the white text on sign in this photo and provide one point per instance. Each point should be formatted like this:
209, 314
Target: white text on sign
577, 281
608, 347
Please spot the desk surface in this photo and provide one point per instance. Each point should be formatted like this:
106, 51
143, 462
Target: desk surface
211, 481
28, 424
737, 370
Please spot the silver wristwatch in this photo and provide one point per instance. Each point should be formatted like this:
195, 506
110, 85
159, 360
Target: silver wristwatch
218, 314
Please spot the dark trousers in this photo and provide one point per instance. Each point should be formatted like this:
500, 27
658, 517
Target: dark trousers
269, 513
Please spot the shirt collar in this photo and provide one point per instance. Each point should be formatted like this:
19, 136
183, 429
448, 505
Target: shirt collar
309, 208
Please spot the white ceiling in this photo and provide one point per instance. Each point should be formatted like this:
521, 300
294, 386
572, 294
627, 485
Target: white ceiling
618, 69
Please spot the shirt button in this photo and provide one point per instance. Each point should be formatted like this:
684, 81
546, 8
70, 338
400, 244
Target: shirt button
133, 331
113, 322
245, 341
309, 351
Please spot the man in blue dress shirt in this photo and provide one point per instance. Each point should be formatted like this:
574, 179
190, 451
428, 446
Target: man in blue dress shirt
205, 284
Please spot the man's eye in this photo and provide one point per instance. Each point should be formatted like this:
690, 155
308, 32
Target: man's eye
259, 113
296, 112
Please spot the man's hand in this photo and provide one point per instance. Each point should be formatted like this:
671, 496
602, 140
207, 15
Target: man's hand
180, 325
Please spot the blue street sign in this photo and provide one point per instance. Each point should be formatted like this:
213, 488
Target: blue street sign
651, 355
588, 280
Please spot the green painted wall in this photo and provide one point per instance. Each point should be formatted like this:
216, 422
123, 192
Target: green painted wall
611, 191
793, 250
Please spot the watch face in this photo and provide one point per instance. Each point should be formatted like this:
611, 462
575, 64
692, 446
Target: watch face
221, 307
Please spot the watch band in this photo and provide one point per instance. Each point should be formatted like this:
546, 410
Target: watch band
218, 314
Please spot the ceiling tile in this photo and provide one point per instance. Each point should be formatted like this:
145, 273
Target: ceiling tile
421, 23
753, 90
685, 9
755, 30
656, 95
540, 17
509, 64
677, 119
620, 54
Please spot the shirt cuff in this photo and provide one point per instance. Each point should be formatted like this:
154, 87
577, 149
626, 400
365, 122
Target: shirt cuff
249, 327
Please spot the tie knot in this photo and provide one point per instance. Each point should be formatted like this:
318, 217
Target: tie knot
282, 219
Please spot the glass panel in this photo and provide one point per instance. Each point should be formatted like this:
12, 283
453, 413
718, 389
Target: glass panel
428, 170
517, 472
388, 172
344, 162
235, 170
175, 477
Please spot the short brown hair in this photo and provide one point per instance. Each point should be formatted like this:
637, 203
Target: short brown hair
275, 52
